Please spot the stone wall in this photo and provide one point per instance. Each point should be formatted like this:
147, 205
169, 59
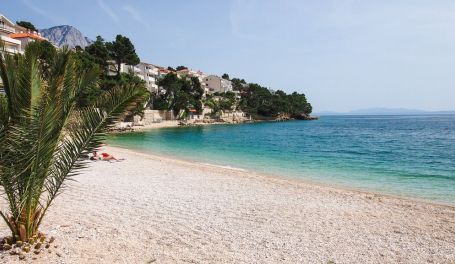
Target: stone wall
156, 116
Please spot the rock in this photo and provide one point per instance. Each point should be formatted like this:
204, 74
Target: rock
52, 239
31, 241
36, 251
38, 245
42, 239
8, 240
19, 243
47, 246
15, 251
65, 35
58, 254
26, 249
151, 261
6, 246
49, 251
21, 256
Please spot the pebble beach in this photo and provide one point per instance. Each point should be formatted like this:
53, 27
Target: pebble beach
153, 209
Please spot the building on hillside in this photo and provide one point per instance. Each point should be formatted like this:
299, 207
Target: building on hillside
7, 28
149, 73
216, 84
163, 72
26, 37
192, 73
145, 71
10, 45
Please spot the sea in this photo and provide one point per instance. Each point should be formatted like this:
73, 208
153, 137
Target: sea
408, 156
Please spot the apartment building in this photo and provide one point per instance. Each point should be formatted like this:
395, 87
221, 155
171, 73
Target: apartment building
145, 71
192, 73
7, 28
216, 84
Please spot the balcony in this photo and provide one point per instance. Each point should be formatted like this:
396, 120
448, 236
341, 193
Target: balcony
12, 50
11, 45
10, 40
7, 29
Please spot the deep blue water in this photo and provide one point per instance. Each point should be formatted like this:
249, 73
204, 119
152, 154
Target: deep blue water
410, 156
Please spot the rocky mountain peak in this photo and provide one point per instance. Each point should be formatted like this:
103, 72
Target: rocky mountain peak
65, 35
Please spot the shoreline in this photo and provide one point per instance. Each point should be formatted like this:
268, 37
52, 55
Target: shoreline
294, 179
172, 124
179, 123
157, 209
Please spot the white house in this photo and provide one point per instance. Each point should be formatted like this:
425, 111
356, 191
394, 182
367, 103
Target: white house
145, 71
7, 28
216, 84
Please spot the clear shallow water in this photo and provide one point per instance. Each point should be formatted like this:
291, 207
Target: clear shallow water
410, 156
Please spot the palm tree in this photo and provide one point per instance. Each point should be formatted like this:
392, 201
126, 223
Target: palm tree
43, 135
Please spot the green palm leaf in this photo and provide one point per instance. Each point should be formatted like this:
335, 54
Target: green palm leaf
43, 135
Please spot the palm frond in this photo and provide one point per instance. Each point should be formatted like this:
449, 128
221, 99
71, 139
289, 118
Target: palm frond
43, 135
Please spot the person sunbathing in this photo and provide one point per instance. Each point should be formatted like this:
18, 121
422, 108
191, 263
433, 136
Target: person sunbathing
95, 156
104, 156
108, 157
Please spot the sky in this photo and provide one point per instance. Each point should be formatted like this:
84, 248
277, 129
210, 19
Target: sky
343, 54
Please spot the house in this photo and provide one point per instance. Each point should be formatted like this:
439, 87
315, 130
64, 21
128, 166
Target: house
163, 72
145, 71
7, 28
192, 73
26, 37
216, 84
10, 45
149, 73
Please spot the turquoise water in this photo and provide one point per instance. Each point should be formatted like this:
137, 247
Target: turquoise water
411, 156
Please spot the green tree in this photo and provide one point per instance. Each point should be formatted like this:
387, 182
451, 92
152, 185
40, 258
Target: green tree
181, 95
179, 68
259, 101
121, 50
45, 53
43, 136
227, 101
87, 95
27, 25
238, 85
225, 76
299, 105
215, 106
99, 53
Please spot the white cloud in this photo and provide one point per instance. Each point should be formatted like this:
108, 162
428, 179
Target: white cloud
42, 12
108, 10
134, 13
34, 8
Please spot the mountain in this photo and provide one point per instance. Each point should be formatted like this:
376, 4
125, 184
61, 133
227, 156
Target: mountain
65, 35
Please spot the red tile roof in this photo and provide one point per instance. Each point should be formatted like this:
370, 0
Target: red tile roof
26, 35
